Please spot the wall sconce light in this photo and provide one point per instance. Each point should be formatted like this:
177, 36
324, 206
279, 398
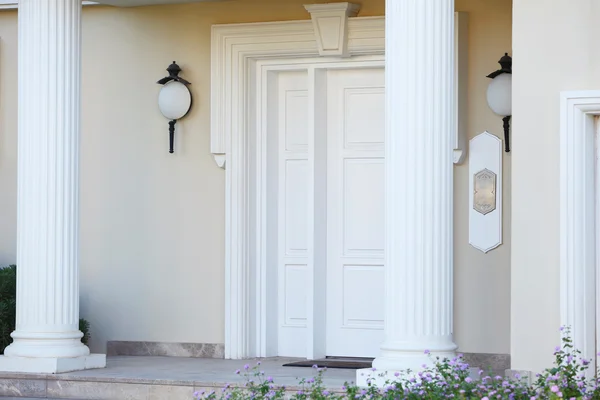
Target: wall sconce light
499, 94
174, 99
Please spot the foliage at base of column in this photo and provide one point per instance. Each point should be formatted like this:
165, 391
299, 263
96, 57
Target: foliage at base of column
8, 308
8, 304
446, 379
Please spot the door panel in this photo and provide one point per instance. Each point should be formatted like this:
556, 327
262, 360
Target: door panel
291, 103
355, 212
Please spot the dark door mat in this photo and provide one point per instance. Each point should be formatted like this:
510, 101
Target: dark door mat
341, 363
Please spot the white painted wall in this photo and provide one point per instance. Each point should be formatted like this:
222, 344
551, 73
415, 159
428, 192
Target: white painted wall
152, 223
555, 49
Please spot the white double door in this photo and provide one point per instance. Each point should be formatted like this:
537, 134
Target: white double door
330, 210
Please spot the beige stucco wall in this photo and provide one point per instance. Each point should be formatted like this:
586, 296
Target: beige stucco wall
482, 281
152, 237
555, 49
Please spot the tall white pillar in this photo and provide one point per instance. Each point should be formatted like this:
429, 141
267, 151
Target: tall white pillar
47, 337
419, 183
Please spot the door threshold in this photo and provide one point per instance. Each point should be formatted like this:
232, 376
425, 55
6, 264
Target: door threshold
334, 362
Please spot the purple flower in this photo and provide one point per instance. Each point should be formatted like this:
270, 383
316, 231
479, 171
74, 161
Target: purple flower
269, 379
237, 371
554, 389
468, 380
396, 374
325, 393
373, 369
246, 367
426, 352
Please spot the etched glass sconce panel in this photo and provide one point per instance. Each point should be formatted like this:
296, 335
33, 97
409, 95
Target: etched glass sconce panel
484, 193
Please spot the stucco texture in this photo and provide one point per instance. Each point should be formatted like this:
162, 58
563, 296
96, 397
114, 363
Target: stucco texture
152, 223
555, 49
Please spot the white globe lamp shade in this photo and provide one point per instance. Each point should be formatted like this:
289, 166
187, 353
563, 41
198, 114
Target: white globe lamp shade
174, 100
499, 95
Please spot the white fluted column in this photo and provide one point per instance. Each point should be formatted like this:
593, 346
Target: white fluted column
47, 337
419, 182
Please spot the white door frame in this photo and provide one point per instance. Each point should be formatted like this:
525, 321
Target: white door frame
579, 230
238, 54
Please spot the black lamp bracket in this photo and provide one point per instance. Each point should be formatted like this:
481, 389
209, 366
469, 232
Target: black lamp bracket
171, 134
506, 121
174, 71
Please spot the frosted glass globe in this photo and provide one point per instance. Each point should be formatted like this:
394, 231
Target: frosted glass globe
499, 95
174, 100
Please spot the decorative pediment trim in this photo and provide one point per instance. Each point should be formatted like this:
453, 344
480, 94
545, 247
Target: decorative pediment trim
235, 47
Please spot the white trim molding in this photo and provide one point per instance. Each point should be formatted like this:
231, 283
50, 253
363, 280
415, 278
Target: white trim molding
578, 226
236, 47
238, 52
461, 76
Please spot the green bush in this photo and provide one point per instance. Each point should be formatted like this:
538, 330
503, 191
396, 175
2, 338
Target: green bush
8, 304
84, 326
8, 308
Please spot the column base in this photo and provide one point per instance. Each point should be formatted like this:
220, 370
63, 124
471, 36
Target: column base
51, 365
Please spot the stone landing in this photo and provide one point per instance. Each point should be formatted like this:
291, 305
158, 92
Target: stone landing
173, 378
156, 378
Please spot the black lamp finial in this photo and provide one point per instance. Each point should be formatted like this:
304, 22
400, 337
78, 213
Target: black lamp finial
505, 64
174, 71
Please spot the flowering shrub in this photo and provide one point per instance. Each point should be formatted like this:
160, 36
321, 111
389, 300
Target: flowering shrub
444, 379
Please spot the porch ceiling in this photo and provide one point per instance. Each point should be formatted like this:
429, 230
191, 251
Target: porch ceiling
135, 3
